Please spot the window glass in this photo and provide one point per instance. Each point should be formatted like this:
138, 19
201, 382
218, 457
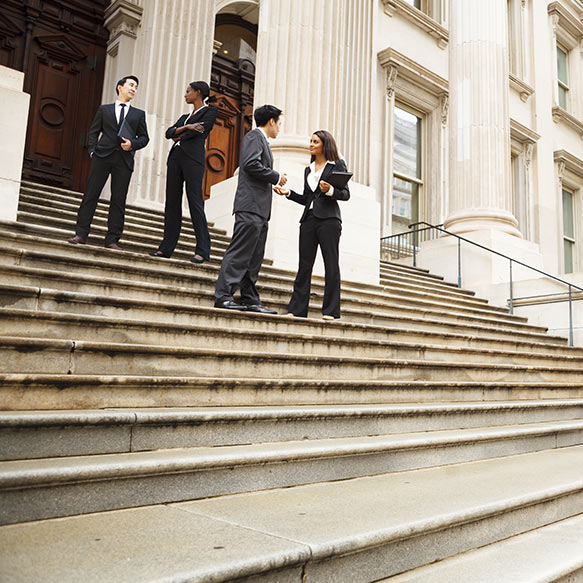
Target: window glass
407, 153
563, 76
568, 230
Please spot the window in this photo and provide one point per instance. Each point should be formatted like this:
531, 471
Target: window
568, 231
407, 167
563, 76
419, 4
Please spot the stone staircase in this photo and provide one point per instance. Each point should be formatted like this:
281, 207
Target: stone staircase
146, 436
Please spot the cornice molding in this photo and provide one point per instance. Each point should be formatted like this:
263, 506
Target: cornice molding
569, 162
566, 20
123, 17
419, 18
523, 134
564, 117
524, 89
391, 60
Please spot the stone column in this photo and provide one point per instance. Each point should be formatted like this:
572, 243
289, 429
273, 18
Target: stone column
313, 61
299, 63
480, 194
167, 45
13, 123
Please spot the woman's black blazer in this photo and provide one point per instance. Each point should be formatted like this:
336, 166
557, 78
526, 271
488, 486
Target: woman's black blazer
193, 143
325, 207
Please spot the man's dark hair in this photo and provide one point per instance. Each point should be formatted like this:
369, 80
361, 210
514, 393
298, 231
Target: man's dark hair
123, 80
264, 113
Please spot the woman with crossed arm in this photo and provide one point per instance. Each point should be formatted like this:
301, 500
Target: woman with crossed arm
186, 163
320, 225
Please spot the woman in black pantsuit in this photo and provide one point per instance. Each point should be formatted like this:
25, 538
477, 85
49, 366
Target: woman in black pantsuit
320, 224
186, 163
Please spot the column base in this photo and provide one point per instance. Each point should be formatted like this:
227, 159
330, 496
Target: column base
476, 220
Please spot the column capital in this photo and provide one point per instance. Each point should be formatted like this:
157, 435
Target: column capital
123, 17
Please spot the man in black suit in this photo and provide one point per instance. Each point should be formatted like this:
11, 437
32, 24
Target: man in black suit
252, 209
123, 131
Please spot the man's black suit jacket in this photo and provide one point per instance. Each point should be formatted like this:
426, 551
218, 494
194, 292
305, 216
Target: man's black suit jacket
192, 143
256, 176
325, 207
105, 123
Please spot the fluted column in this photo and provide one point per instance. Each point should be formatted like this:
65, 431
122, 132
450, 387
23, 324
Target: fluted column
174, 47
480, 193
299, 61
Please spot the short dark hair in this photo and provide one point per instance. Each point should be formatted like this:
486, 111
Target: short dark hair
123, 80
329, 147
264, 113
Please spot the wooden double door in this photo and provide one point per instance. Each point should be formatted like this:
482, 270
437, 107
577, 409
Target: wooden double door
60, 45
233, 84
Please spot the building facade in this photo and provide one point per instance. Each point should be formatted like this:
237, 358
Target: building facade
463, 113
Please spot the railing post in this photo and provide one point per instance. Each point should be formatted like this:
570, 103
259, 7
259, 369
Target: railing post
511, 291
459, 263
413, 237
570, 318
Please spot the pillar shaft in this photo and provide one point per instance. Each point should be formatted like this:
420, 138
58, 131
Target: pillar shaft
480, 193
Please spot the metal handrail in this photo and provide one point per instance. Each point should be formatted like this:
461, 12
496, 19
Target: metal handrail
430, 227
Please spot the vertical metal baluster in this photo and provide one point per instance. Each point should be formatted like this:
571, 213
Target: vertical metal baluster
570, 318
399, 247
511, 291
413, 237
459, 263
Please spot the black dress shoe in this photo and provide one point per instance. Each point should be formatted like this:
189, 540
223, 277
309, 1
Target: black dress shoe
198, 259
159, 254
259, 309
77, 240
230, 305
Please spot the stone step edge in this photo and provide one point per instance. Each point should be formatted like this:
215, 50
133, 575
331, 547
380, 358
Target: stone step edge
71, 347
296, 553
482, 312
539, 563
41, 293
24, 474
489, 325
271, 272
84, 320
227, 414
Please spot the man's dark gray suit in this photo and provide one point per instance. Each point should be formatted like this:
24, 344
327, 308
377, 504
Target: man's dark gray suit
252, 209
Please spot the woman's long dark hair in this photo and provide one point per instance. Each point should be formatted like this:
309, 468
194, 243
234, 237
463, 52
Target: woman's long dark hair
329, 147
204, 89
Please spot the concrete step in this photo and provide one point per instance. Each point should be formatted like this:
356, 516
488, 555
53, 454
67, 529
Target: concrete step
39, 434
275, 290
94, 328
63, 215
51, 487
360, 530
135, 237
60, 356
550, 554
158, 301
163, 312
20, 391
43, 201
47, 195
81, 258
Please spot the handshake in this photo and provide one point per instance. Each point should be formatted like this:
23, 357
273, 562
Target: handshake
279, 188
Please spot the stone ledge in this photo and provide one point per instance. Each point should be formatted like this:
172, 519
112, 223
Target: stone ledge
420, 19
521, 87
564, 117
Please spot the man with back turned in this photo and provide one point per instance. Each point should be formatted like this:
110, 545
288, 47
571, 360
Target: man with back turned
252, 209
117, 131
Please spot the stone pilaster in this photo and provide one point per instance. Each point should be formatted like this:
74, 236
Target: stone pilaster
480, 194
13, 121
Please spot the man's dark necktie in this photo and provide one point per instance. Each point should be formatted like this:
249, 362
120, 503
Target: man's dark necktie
121, 114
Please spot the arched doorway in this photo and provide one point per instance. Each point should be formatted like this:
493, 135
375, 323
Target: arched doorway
232, 81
